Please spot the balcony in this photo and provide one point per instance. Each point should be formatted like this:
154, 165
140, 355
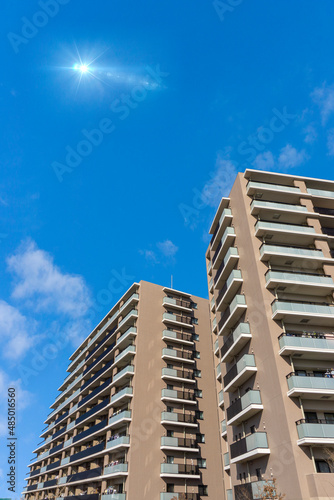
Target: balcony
317, 433
243, 408
178, 375
223, 428
214, 324
179, 419
178, 396
116, 470
210, 267
212, 304
179, 496
182, 338
248, 448
224, 221
229, 262
221, 398
112, 496
320, 193
285, 233
233, 283
254, 187
124, 323
177, 303
127, 353
309, 386
270, 207
226, 242
179, 444
127, 337
175, 354
239, 373
301, 283
119, 418
281, 254
179, 471
218, 372
118, 443
251, 491
211, 285
303, 312
226, 459
235, 342
312, 345
216, 347
134, 297
232, 314
176, 319
127, 372
119, 397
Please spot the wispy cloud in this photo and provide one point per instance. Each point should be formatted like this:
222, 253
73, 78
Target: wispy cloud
290, 157
167, 248
220, 183
310, 134
330, 142
17, 331
324, 97
264, 161
40, 283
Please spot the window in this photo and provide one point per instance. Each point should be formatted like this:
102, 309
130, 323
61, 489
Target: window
258, 474
200, 438
169, 365
301, 373
197, 354
199, 415
201, 462
194, 305
195, 336
198, 393
253, 429
318, 374
197, 373
170, 488
170, 409
194, 321
203, 490
311, 416
170, 387
170, 433
170, 459
329, 417
322, 466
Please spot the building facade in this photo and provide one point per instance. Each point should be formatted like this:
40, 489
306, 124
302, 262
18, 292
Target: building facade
136, 417
271, 282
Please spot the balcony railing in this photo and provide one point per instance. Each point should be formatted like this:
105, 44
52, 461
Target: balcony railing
315, 432
116, 469
316, 344
286, 228
123, 415
127, 391
316, 313
313, 386
232, 313
243, 408
225, 219
179, 496
291, 251
321, 192
230, 258
182, 469
172, 394
170, 334
133, 312
226, 458
254, 445
177, 302
187, 320
230, 288
129, 369
240, 372
251, 491
228, 233
272, 187
296, 279
132, 331
174, 442
118, 442
173, 417
112, 496
258, 204
175, 353
181, 374
235, 341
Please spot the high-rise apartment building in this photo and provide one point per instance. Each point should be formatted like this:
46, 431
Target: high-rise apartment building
271, 282
136, 417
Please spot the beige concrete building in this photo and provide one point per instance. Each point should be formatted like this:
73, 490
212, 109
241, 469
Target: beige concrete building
136, 417
271, 282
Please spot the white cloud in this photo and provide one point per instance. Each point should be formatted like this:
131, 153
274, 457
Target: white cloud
264, 161
23, 397
220, 183
324, 98
167, 248
150, 256
40, 282
330, 142
291, 157
16, 331
310, 134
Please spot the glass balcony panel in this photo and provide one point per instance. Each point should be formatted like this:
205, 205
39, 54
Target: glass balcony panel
122, 440
285, 227
301, 382
279, 305
300, 278
127, 369
285, 250
315, 430
321, 192
119, 416
306, 341
279, 206
113, 469
274, 187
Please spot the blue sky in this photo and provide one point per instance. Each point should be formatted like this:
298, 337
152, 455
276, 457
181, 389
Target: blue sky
116, 179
